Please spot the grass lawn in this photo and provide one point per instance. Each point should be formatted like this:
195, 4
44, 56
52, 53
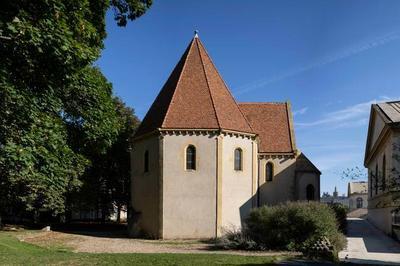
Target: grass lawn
13, 251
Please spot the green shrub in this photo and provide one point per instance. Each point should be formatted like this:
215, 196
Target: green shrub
235, 239
294, 226
341, 215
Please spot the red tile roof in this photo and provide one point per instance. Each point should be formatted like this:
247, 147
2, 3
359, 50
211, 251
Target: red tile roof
194, 97
272, 123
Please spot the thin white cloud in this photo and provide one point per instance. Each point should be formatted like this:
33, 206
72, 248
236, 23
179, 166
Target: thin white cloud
331, 146
351, 116
301, 111
387, 99
382, 40
350, 124
333, 161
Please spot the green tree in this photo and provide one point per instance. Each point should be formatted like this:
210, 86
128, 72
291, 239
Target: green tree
106, 184
55, 107
118, 158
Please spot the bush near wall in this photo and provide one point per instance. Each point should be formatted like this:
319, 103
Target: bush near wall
341, 215
309, 227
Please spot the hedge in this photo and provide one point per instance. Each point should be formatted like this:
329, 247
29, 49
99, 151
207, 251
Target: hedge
309, 227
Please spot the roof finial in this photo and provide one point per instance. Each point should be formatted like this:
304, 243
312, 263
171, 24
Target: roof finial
196, 34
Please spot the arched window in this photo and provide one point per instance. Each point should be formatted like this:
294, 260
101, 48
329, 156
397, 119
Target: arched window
376, 179
146, 161
384, 173
371, 175
359, 203
310, 192
269, 172
238, 159
190, 158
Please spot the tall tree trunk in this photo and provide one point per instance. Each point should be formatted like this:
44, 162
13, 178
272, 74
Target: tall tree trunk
119, 213
103, 216
98, 211
103, 212
35, 216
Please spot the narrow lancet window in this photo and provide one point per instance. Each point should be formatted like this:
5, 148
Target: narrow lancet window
190, 158
269, 172
146, 161
238, 159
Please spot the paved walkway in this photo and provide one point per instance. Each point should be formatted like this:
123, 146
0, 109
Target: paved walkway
367, 245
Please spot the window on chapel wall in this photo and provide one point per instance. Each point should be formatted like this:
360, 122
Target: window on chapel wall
310, 192
146, 161
238, 159
269, 172
191, 158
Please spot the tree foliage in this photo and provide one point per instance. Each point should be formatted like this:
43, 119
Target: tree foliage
125, 10
380, 180
56, 108
106, 184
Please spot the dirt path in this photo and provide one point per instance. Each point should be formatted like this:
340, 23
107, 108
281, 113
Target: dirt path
96, 244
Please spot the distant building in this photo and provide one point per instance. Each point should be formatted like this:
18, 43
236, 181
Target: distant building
335, 198
382, 158
201, 161
357, 193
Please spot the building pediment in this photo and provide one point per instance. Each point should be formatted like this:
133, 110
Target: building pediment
383, 117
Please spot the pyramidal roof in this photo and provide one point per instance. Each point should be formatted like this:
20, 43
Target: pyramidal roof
194, 97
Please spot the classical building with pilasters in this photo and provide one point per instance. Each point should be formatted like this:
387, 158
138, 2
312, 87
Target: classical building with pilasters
382, 158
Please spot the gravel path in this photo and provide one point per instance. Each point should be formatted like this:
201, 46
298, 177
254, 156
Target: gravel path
96, 244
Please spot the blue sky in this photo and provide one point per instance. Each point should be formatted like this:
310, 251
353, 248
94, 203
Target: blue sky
330, 59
